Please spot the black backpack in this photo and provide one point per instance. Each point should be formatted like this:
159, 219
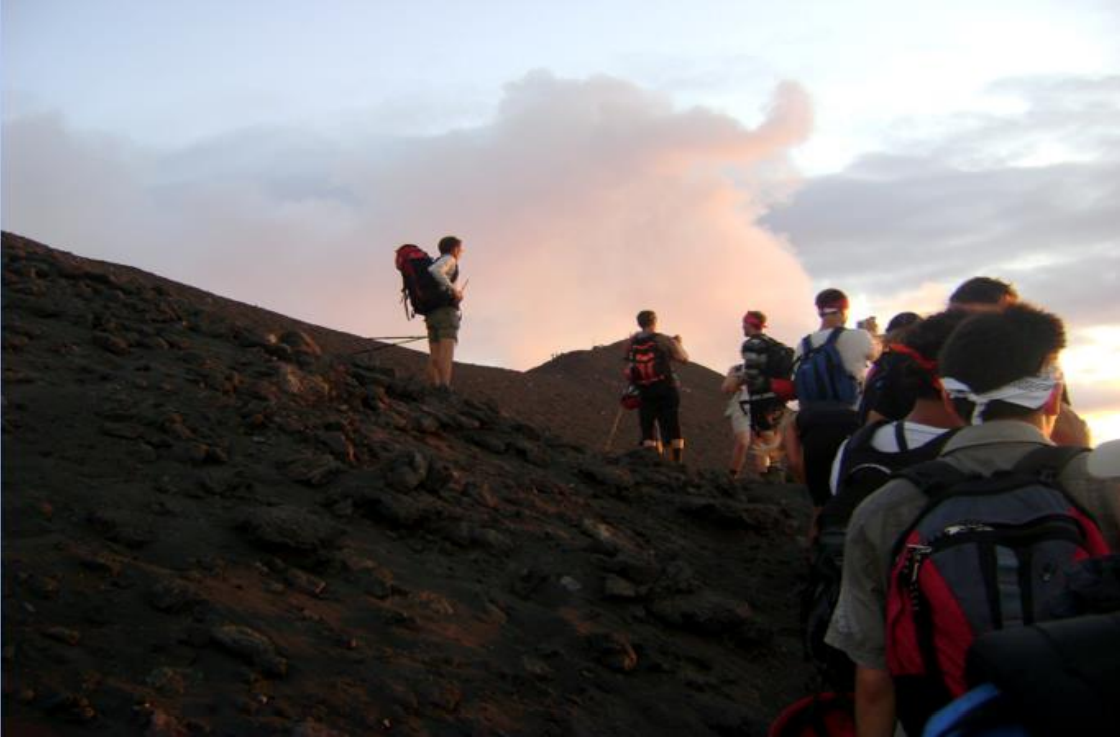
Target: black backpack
779, 359
649, 363
863, 470
882, 390
419, 289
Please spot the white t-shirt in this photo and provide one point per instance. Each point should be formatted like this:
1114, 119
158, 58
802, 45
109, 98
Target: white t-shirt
445, 269
884, 440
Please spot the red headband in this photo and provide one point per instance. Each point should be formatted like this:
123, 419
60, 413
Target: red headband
753, 321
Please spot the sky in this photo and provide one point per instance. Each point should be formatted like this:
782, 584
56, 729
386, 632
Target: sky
597, 158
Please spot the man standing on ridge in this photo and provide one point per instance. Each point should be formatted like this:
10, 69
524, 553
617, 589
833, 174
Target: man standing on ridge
443, 322
650, 354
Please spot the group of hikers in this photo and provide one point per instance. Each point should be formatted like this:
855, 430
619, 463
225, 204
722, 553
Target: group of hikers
963, 535
960, 523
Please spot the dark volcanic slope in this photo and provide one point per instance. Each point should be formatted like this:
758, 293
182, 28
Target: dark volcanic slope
220, 521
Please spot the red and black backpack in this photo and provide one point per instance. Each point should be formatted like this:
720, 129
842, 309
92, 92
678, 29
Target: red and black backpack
420, 291
649, 363
985, 553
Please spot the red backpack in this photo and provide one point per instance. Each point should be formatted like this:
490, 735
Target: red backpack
986, 553
420, 290
649, 364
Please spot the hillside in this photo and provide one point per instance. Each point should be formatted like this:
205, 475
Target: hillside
597, 375
221, 521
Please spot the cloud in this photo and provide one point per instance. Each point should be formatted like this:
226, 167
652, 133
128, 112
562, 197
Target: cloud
1032, 196
580, 203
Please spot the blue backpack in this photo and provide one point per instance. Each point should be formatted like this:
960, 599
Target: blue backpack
820, 375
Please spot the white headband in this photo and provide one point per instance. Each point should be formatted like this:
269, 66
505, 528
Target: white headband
1030, 391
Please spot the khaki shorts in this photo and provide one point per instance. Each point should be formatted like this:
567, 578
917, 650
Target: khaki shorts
443, 324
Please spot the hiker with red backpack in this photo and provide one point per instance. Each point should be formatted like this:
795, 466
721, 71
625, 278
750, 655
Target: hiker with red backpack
650, 355
430, 289
829, 367
979, 539
759, 387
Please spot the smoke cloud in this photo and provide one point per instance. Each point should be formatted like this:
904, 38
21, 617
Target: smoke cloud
581, 203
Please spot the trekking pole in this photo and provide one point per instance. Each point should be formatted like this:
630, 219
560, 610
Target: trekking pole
614, 429
400, 340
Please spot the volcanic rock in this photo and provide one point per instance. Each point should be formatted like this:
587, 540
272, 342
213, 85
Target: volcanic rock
218, 520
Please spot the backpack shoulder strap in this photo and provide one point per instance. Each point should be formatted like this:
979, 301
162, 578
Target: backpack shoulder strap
900, 436
806, 346
1048, 461
933, 476
834, 336
860, 439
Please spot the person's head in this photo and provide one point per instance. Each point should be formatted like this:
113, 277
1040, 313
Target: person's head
922, 342
754, 322
1004, 365
899, 324
832, 306
983, 294
449, 244
647, 320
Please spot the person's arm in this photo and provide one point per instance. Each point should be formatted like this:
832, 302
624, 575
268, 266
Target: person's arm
791, 445
875, 707
873, 347
1070, 428
441, 270
675, 348
733, 382
858, 625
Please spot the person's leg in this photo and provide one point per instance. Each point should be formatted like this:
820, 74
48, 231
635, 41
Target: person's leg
762, 443
446, 360
821, 437
431, 369
443, 334
739, 452
670, 423
741, 432
791, 445
647, 418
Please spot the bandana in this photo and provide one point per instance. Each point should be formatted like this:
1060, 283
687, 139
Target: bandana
832, 308
1030, 391
754, 322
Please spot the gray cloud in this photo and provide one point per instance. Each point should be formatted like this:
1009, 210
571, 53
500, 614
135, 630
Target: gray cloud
981, 200
1032, 197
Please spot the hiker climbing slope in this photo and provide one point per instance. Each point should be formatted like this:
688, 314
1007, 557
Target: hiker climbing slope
650, 355
830, 365
757, 402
